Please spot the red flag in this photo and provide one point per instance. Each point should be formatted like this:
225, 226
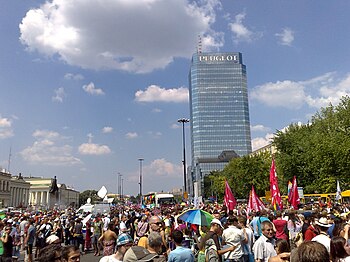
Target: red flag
293, 196
229, 199
254, 202
276, 199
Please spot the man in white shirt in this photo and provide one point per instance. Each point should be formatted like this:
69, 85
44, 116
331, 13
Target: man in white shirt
264, 247
323, 237
234, 236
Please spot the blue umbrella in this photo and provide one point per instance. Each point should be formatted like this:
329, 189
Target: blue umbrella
196, 217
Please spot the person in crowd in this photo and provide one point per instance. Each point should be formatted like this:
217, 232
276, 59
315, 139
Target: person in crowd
323, 238
264, 247
97, 231
58, 229
155, 244
180, 253
247, 247
233, 235
23, 225
122, 224
281, 226
16, 236
142, 228
70, 254
295, 226
155, 225
340, 250
51, 253
124, 242
310, 251
78, 235
29, 240
283, 251
213, 234
108, 239
88, 233
312, 230
7, 241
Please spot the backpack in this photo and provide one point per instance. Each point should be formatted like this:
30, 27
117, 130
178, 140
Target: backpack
211, 254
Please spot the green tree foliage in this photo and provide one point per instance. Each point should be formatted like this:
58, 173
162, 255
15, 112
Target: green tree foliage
317, 153
83, 196
214, 185
242, 173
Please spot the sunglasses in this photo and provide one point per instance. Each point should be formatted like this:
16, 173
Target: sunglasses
158, 223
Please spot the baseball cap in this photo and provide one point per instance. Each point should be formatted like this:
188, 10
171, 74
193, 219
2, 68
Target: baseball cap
138, 253
216, 221
124, 239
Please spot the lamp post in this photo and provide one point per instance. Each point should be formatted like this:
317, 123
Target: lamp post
120, 186
183, 121
122, 189
140, 160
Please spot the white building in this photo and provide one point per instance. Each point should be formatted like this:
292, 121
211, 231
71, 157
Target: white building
19, 191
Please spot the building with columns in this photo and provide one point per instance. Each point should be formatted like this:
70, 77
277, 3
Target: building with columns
5, 179
43, 194
19, 191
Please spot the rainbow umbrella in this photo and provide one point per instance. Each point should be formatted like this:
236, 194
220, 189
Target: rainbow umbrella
196, 217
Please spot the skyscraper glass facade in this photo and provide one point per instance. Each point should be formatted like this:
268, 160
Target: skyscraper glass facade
219, 111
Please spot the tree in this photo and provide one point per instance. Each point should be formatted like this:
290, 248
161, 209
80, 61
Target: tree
83, 196
317, 153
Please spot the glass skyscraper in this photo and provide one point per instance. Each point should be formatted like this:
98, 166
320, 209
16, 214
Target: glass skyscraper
220, 125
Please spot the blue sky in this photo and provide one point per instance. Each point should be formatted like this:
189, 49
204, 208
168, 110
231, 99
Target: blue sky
88, 87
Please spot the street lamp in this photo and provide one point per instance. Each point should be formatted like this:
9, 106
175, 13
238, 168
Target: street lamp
141, 159
183, 121
120, 186
122, 189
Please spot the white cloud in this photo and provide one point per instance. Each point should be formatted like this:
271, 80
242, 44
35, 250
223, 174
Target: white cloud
260, 128
241, 33
107, 129
260, 142
131, 135
155, 134
49, 149
154, 93
161, 167
156, 110
6, 130
286, 37
316, 92
93, 149
59, 95
92, 90
92, 34
175, 126
70, 76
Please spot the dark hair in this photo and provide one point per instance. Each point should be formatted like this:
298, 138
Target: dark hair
338, 226
278, 213
310, 251
337, 248
67, 249
177, 236
231, 220
50, 253
282, 246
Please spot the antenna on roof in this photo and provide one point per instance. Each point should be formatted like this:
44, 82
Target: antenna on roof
199, 46
9, 161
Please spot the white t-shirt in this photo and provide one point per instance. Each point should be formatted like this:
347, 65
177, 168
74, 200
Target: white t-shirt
110, 259
324, 240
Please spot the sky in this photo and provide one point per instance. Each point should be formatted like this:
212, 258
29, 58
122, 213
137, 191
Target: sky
89, 87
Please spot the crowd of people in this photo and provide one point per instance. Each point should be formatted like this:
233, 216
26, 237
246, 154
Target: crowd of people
131, 233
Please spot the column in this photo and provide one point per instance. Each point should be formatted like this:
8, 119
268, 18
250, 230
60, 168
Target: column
36, 198
41, 197
48, 199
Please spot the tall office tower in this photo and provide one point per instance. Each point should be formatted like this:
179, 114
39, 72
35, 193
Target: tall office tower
220, 126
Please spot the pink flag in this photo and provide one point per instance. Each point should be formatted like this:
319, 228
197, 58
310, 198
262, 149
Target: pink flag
229, 199
293, 196
276, 199
254, 202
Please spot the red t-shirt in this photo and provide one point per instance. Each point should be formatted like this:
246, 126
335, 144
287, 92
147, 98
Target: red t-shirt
280, 225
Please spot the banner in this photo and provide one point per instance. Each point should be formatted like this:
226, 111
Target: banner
229, 199
276, 199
